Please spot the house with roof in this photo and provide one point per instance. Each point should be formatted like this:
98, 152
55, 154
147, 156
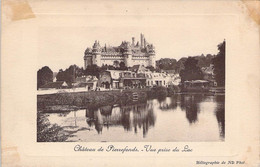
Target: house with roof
116, 79
139, 69
54, 85
131, 79
86, 83
196, 85
137, 76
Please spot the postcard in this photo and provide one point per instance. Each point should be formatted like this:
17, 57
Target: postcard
130, 83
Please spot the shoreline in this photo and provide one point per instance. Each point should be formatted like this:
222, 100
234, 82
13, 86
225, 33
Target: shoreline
71, 101
79, 100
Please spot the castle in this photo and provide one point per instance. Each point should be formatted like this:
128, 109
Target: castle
134, 53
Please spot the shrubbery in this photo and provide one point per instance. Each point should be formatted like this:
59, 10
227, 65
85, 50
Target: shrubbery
161, 92
47, 132
171, 90
158, 92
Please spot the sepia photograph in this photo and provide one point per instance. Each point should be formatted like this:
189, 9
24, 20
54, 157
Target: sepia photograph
130, 83
111, 86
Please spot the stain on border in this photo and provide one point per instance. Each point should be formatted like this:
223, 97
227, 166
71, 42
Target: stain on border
18, 10
10, 156
253, 8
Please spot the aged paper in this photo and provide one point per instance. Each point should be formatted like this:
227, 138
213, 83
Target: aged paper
56, 33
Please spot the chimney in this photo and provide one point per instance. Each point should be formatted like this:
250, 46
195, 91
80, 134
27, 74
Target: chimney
133, 41
144, 43
142, 40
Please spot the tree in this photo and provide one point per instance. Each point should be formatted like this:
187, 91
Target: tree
116, 63
79, 72
104, 67
111, 67
44, 76
70, 74
219, 64
151, 68
204, 61
93, 70
167, 64
61, 75
180, 64
191, 70
122, 66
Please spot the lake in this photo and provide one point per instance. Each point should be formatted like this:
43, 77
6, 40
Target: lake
182, 117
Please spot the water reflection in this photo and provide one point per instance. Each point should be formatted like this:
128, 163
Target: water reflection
220, 114
189, 117
169, 103
189, 103
138, 116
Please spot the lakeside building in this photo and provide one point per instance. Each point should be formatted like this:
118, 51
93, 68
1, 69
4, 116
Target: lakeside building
130, 54
116, 79
196, 86
162, 79
86, 82
138, 77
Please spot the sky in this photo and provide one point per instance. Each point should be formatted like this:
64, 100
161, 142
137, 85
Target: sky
62, 43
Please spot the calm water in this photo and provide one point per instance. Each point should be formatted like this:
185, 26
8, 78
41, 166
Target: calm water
194, 117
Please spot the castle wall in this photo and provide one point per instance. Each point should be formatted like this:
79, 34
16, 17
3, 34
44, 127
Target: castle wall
109, 60
140, 62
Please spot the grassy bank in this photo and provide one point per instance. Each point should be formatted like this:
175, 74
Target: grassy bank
77, 100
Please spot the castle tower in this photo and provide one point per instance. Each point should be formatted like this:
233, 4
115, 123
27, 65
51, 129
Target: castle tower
128, 55
151, 53
96, 52
142, 40
88, 58
133, 41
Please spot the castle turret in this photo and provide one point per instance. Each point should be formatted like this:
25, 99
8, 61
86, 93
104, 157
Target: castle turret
96, 52
133, 41
142, 40
88, 58
127, 54
151, 53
